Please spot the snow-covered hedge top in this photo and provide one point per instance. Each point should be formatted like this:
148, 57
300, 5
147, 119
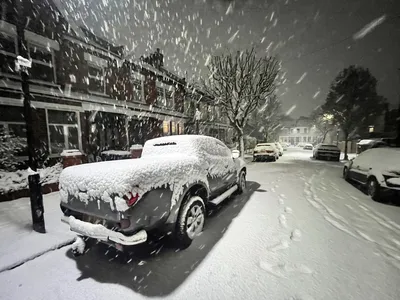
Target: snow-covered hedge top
18, 180
136, 147
380, 159
116, 152
72, 152
172, 162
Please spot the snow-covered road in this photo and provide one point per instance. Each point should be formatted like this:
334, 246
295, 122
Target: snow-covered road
300, 232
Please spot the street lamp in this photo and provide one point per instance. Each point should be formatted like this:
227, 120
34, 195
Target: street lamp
22, 64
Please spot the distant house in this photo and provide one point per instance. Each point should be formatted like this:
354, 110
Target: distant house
301, 130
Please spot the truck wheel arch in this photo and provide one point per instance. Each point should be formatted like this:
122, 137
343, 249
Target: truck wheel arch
195, 189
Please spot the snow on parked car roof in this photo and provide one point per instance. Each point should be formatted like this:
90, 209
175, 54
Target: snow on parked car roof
380, 159
265, 144
367, 142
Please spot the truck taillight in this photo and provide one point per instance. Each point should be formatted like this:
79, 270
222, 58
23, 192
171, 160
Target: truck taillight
131, 199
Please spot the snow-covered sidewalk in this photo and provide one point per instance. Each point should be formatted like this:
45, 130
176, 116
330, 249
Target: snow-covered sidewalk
19, 243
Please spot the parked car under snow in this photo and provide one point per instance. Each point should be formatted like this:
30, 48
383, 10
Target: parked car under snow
378, 169
330, 152
169, 188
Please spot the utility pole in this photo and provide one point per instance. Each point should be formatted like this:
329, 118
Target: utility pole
23, 64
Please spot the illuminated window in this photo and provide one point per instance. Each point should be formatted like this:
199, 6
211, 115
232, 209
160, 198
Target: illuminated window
173, 128
371, 129
166, 127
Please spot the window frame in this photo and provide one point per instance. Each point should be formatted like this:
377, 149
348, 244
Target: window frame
65, 130
52, 64
14, 55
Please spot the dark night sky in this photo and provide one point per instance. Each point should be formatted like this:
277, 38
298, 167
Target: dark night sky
305, 34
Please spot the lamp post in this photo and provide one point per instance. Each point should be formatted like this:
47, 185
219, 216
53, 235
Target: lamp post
23, 64
337, 137
197, 117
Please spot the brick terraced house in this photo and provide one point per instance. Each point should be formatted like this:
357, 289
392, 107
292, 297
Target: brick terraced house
85, 94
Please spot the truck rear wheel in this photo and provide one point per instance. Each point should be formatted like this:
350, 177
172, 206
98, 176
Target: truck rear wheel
190, 221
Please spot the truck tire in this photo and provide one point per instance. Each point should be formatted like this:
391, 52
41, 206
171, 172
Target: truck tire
242, 182
190, 221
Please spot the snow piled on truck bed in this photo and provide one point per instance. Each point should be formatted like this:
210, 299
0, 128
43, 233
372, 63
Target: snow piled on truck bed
170, 162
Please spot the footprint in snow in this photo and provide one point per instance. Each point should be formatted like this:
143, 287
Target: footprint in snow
282, 220
282, 195
273, 190
279, 246
295, 235
276, 186
281, 202
282, 270
288, 210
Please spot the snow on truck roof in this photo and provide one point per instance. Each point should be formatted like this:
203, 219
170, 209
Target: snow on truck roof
189, 144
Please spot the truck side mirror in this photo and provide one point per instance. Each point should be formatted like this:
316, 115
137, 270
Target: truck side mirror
235, 153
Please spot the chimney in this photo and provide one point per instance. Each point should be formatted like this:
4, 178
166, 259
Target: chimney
159, 58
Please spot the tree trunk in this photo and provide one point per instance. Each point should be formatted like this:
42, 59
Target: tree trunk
346, 138
324, 137
241, 145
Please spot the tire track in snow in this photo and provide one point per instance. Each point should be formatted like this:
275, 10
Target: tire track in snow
328, 214
336, 220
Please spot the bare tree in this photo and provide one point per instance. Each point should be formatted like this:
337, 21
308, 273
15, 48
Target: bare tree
239, 83
266, 119
323, 122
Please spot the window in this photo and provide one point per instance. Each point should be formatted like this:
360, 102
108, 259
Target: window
161, 101
305, 130
7, 53
169, 97
166, 128
298, 130
63, 131
137, 86
173, 128
7, 12
96, 79
309, 139
42, 63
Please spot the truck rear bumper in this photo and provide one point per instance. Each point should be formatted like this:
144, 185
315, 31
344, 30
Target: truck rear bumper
100, 232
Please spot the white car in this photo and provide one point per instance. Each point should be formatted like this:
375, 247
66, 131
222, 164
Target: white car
378, 169
280, 148
265, 151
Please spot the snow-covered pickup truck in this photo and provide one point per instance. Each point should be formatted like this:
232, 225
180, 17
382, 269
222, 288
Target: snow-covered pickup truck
168, 188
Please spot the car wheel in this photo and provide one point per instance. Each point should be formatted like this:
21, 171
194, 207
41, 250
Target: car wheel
242, 182
190, 221
374, 189
346, 173
274, 158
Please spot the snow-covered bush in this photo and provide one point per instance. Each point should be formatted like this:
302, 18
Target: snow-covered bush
10, 146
